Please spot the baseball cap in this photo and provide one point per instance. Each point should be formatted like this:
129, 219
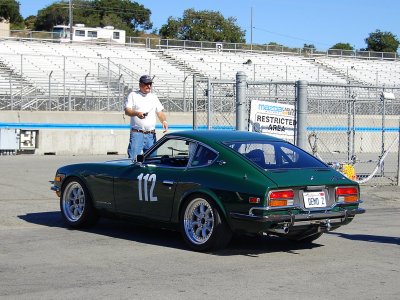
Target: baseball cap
146, 79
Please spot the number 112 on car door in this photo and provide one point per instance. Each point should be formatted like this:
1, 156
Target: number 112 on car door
146, 184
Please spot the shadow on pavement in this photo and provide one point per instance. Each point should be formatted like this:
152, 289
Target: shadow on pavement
120, 229
369, 238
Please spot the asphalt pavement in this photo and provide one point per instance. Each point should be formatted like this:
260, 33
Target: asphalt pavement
41, 259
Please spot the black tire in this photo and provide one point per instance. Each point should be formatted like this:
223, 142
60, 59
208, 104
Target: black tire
76, 204
306, 239
202, 226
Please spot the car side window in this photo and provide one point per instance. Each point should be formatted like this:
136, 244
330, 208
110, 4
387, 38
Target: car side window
203, 157
172, 153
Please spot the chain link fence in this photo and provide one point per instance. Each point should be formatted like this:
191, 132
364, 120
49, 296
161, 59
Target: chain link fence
346, 124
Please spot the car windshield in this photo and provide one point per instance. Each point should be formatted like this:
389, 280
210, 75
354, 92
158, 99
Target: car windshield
276, 155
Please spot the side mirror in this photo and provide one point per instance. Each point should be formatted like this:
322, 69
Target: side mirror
140, 158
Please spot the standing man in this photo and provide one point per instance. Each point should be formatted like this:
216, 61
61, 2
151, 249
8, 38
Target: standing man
143, 106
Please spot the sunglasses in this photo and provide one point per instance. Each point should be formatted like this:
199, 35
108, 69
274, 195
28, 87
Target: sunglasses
147, 84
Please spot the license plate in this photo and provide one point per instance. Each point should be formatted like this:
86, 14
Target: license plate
314, 199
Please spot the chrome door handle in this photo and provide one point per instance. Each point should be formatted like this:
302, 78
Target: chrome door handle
168, 182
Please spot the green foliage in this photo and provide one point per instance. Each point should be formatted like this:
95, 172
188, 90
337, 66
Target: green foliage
54, 14
203, 25
9, 10
308, 47
342, 46
122, 14
30, 22
382, 42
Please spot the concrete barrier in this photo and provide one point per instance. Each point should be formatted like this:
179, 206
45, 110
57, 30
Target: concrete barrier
81, 133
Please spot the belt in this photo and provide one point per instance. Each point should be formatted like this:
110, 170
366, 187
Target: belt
143, 131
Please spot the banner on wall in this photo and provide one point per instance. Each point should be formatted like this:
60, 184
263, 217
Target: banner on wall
274, 119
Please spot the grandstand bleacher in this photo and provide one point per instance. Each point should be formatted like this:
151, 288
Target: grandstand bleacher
43, 75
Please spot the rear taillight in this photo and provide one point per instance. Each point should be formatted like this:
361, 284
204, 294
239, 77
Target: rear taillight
281, 198
347, 194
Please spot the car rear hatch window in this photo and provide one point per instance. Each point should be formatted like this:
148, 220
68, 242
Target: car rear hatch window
273, 155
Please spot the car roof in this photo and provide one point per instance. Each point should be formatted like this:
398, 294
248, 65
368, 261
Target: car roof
218, 136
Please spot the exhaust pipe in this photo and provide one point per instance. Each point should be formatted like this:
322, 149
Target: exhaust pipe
284, 230
325, 226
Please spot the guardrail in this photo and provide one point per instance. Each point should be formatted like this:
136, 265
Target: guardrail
159, 43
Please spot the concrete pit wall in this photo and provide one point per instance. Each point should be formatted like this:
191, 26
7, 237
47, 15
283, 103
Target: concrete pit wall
83, 133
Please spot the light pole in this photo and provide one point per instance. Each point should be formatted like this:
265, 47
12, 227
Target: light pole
251, 29
70, 21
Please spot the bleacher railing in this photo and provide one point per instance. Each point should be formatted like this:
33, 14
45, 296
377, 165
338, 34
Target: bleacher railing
159, 43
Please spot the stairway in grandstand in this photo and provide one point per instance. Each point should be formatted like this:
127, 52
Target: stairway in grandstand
23, 91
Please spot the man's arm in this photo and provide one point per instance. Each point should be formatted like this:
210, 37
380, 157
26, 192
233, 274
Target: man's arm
133, 113
163, 119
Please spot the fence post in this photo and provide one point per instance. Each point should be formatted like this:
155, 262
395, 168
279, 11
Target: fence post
209, 100
241, 84
302, 109
194, 102
398, 157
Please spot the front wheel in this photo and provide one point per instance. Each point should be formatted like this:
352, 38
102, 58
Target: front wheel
202, 226
76, 205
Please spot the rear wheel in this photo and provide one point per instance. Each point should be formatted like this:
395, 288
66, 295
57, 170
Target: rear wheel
76, 205
202, 226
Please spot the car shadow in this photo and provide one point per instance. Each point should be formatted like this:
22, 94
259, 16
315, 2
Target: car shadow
369, 238
120, 229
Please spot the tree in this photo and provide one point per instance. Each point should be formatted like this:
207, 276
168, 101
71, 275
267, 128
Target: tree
342, 46
203, 25
9, 11
54, 14
122, 14
382, 42
308, 47
133, 15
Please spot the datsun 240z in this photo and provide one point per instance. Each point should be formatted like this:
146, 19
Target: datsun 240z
212, 184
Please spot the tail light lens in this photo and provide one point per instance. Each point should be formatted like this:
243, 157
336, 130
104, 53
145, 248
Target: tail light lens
281, 198
347, 194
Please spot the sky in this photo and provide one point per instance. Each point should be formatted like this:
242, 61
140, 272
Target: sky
291, 23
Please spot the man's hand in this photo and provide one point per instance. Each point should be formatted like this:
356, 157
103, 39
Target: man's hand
141, 115
165, 126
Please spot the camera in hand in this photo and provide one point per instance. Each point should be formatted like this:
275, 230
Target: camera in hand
145, 114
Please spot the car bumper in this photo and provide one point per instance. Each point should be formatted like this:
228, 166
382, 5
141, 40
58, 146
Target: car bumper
283, 219
293, 218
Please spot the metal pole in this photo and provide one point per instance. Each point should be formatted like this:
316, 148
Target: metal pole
22, 74
353, 129
194, 102
398, 158
64, 79
11, 94
251, 29
209, 100
69, 100
70, 21
86, 106
383, 132
119, 91
49, 102
302, 108
108, 83
184, 89
241, 84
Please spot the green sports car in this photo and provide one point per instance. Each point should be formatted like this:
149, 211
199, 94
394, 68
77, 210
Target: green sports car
212, 184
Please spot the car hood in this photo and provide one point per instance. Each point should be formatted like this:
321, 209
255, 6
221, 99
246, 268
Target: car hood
307, 177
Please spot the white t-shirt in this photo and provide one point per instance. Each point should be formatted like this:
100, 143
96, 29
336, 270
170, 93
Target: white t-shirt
144, 103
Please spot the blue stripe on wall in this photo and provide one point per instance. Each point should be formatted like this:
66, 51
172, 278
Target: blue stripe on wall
171, 127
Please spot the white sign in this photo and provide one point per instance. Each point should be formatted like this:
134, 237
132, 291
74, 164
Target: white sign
272, 118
